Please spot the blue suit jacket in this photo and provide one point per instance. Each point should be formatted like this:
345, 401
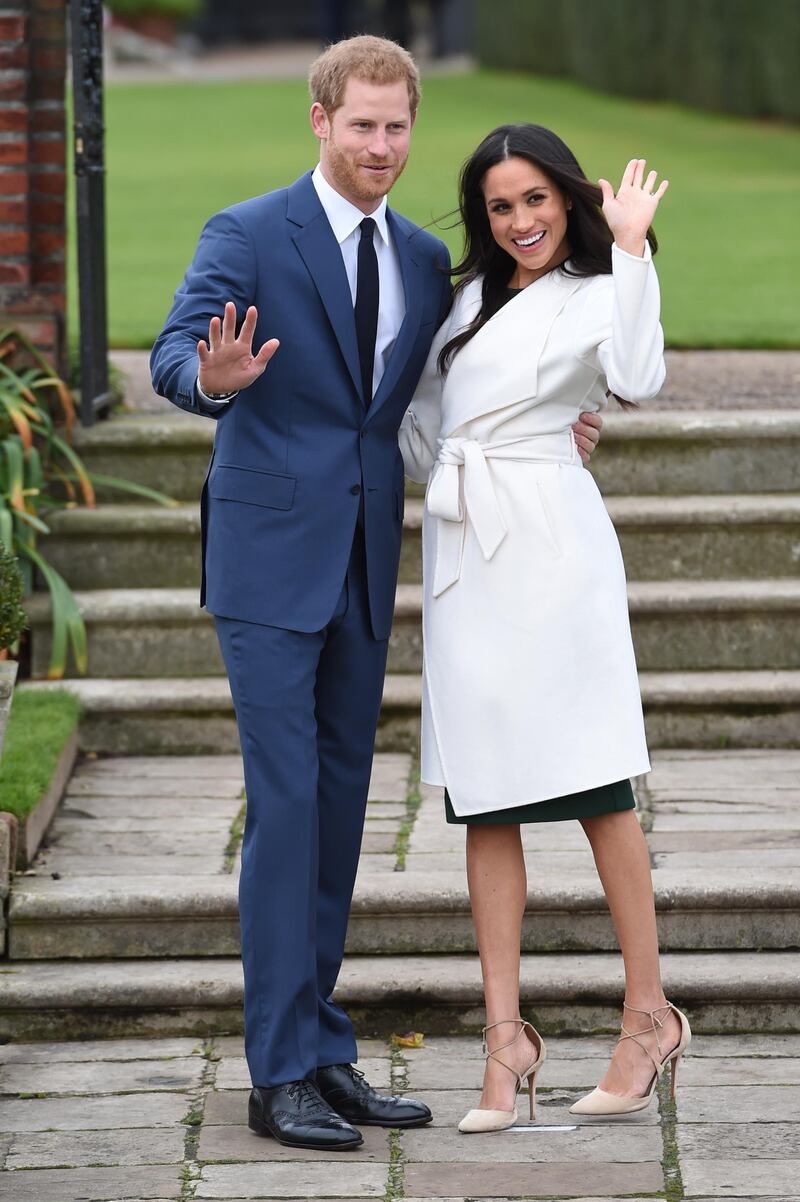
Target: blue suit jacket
296, 451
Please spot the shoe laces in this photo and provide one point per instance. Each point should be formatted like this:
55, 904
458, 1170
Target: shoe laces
305, 1093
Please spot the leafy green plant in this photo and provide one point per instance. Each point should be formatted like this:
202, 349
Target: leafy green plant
12, 616
41, 471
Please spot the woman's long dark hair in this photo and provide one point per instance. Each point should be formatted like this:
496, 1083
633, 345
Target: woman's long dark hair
588, 235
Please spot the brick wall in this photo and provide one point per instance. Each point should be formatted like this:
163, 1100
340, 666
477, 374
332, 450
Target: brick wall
32, 170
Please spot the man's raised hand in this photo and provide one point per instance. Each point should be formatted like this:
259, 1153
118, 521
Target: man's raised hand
227, 363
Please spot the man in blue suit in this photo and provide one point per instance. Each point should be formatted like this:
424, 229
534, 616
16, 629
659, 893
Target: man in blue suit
302, 518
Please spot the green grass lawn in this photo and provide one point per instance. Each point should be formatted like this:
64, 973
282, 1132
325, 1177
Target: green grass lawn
178, 152
39, 726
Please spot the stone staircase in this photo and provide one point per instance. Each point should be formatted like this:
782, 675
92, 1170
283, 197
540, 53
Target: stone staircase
127, 922
708, 513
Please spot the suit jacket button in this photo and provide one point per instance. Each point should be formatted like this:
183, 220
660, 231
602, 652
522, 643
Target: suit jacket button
355, 490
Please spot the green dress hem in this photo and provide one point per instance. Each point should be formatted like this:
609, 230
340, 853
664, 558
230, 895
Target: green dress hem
591, 803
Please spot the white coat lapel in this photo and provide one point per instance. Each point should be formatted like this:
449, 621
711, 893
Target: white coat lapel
499, 366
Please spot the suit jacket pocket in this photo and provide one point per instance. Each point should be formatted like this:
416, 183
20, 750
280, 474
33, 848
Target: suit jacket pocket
252, 487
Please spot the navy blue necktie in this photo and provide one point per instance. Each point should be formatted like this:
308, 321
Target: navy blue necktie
367, 306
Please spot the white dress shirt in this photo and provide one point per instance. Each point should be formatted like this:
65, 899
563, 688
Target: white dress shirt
345, 221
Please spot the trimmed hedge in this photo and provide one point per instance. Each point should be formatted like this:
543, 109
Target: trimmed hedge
736, 56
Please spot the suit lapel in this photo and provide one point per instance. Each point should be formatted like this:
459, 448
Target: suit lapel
322, 256
407, 334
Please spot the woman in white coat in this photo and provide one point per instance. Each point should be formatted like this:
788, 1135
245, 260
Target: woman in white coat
531, 705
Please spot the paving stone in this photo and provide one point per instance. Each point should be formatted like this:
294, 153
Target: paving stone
788, 820
377, 863
213, 826
59, 1149
148, 808
739, 1141
83, 840
766, 802
757, 863
159, 1182
108, 1113
97, 1049
386, 809
756, 1104
239, 1144
741, 1070
448, 1072
561, 1179
169, 788
232, 1073
370, 1049
714, 843
69, 863
350, 1179
736, 1178
521, 1144
201, 766
444, 1047
744, 1045
180, 1073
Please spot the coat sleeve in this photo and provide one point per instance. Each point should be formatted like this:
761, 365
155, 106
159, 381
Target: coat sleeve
419, 429
620, 332
223, 269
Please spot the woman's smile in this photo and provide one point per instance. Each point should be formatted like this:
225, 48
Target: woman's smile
529, 242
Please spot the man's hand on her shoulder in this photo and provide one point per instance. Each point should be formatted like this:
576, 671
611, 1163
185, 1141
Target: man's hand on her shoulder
227, 363
587, 434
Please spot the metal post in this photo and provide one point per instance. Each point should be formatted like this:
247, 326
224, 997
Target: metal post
86, 28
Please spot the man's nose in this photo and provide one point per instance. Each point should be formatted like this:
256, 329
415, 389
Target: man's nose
379, 144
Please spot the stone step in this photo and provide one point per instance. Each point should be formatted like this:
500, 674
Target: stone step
417, 912
692, 537
195, 716
560, 993
677, 625
655, 451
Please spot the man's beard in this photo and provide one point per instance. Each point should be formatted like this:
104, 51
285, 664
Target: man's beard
355, 181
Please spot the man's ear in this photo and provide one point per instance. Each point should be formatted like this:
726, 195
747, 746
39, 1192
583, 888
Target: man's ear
320, 121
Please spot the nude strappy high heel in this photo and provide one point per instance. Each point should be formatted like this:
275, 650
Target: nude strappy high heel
601, 1102
498, 1120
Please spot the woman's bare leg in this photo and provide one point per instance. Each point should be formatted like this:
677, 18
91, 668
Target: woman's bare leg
498, 890
623, 863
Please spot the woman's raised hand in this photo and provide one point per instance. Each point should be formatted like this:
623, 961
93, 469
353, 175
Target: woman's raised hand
227, 363
630, 213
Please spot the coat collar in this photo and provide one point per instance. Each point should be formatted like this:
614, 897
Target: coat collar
321, 253
317, 245
499, 367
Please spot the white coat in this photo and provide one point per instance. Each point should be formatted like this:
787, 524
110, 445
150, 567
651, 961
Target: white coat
530, 689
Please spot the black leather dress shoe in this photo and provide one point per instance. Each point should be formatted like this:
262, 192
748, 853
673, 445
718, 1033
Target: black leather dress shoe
297, 1116
343, 1087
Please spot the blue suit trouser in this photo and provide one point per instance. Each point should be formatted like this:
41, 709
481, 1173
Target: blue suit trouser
307, 708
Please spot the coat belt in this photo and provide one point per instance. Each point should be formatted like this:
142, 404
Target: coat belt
461, 485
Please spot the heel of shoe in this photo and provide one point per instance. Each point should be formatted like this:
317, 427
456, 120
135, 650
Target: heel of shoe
532, 1094
673, 1084
257, 1124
